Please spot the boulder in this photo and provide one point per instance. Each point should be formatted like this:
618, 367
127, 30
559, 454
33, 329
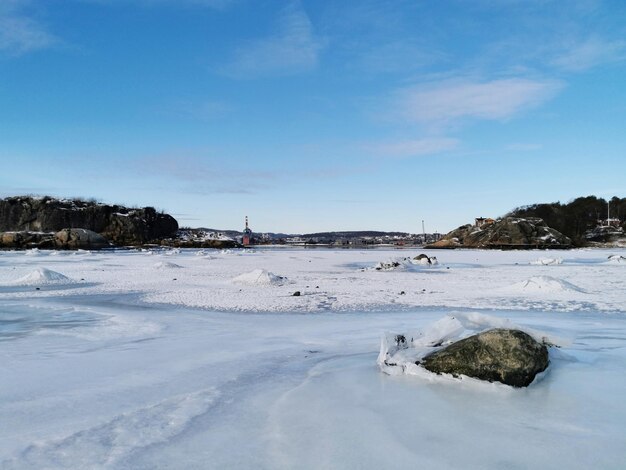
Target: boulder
510, 232
422, 258
508, 356
26, 240
79, 239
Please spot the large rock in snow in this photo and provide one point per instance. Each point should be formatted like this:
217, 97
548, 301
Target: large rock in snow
79, 239
510, 232
499, 355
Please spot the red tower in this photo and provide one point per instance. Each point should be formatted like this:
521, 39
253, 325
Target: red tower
247, 234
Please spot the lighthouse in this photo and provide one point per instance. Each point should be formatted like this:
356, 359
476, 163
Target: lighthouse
247, 234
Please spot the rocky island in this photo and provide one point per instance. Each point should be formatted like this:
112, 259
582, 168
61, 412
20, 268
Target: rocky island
46, 222
506, 233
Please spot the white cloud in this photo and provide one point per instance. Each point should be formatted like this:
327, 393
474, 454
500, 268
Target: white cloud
413, 148
19, 33
451, 100
590, 53
292, 49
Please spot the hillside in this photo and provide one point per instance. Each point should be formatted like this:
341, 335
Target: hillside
575, 218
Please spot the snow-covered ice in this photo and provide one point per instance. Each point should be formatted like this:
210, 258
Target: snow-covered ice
135, 367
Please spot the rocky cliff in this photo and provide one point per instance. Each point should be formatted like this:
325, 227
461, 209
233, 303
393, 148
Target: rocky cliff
507, 233
118, 224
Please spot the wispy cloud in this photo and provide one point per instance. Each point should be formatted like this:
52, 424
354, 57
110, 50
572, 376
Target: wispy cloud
20, 33
203, 175
591, 52
293, 48
452, 100
413, 148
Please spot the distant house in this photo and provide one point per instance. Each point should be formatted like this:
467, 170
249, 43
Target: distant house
482, 221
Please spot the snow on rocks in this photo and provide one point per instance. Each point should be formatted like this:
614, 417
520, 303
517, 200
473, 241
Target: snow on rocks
32, 252
617, 259
425, 260
398, 264
391, 265
42, 276
260, 277
544, 284
546, 261
403, 353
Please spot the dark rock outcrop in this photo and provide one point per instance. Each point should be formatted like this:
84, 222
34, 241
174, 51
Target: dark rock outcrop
507, 233
118, 224
500, 355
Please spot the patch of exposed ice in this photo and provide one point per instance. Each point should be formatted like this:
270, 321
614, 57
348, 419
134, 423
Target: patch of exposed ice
546, 261
104, 445
42, 276
260, 277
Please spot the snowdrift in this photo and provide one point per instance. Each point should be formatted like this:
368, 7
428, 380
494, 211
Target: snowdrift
260, 277
544, 284
42, 276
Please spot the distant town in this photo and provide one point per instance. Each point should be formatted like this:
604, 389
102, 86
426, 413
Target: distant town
248, 237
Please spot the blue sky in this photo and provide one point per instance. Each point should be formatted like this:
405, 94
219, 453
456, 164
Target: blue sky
314, 115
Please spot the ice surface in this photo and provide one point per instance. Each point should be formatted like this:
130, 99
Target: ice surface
546, 261
133, 370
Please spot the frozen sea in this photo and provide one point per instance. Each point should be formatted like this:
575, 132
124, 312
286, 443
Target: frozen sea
204, 359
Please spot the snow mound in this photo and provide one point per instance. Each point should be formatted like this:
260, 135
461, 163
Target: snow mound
41, 276
546, 261
260, 277
166, 265
544, 284
617, 259
32, 252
